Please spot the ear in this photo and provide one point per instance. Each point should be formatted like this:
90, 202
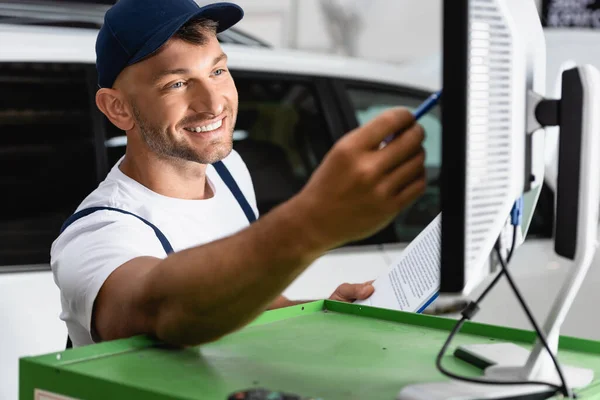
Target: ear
112, 104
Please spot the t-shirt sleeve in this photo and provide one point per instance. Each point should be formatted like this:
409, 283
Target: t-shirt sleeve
89, 250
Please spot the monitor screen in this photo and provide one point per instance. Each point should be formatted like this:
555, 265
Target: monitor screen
491, 62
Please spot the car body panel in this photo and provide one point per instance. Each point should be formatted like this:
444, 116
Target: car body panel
59, 44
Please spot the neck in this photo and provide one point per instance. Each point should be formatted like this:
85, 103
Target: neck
167, 176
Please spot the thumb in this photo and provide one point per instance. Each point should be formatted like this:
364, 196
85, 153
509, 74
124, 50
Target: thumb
355, 291
365, 291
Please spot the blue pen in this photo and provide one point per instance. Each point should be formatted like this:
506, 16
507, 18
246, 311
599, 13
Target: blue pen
421, 110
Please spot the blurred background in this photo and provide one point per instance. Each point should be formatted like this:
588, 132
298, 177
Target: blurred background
307, 72
360, 28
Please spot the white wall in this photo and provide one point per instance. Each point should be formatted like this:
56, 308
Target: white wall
412, 29
270, 20
393, 30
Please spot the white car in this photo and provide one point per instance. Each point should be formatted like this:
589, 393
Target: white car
56, 147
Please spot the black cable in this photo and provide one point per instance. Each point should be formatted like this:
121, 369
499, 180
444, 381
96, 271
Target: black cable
565, 388
512, 246
440, 367
471, 310
490, 287
497, 278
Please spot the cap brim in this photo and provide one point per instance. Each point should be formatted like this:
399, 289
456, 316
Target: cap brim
225, 14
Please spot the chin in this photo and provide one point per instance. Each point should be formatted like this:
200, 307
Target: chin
216, 153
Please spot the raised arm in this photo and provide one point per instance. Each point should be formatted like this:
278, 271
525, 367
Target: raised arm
200, 294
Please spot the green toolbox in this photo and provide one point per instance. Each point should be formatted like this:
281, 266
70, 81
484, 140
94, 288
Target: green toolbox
321, 350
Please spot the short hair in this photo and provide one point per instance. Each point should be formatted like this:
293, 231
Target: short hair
196, 31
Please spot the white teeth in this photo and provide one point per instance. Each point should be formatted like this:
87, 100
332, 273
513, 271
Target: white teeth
207, 128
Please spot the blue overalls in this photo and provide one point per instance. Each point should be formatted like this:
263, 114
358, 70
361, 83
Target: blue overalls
225, 176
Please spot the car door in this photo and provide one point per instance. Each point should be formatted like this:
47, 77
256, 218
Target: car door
48, 164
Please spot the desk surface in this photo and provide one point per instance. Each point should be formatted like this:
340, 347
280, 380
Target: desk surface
324, 349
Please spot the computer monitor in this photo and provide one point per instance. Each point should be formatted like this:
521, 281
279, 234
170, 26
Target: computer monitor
493, 58
494, 112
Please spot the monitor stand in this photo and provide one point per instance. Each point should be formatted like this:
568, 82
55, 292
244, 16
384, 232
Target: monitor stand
578, 162
507, 361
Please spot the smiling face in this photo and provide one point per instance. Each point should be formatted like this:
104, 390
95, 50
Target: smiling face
183, 101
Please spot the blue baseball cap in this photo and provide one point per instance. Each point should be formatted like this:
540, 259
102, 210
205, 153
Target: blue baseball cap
134, 29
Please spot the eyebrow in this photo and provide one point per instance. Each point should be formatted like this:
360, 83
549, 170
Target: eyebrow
183, 71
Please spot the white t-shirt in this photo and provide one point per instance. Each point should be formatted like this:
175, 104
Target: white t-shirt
91, 248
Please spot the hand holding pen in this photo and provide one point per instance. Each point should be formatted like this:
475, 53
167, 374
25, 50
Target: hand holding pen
423, 109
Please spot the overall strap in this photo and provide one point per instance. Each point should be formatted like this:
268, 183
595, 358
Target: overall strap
87, 211
235, 190
225, 176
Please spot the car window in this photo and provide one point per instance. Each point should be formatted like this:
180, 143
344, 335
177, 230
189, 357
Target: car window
369, 102
280, 133
47, 158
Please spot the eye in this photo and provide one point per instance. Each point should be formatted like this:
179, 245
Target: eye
177, 85
219, 71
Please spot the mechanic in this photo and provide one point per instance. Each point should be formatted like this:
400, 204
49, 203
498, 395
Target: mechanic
168, 245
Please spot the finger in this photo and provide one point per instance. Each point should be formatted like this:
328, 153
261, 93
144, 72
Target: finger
366, 291
344, 291
355, 291
402, 148
389, 122
347, 290
406, 173
410, 193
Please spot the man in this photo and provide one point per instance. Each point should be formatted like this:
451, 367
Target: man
164, 246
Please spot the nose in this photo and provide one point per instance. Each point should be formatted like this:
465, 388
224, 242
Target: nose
206, 99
